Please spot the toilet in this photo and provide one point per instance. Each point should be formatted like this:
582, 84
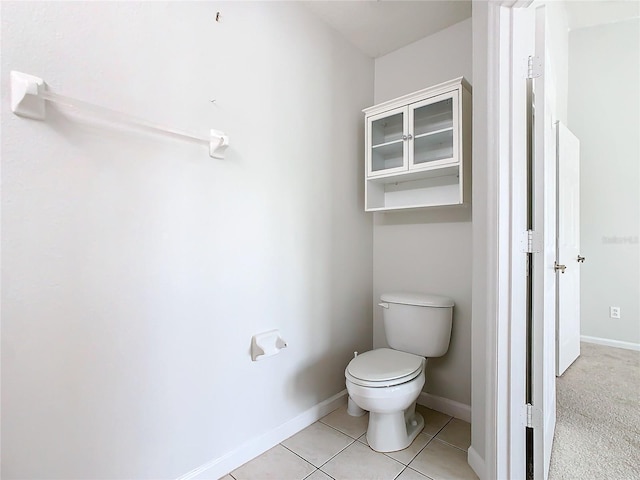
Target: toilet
387, 381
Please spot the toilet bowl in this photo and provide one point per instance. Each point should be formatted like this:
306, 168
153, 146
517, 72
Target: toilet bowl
388, 381
389, 394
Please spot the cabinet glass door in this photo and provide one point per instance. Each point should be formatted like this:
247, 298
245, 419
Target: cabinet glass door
387, 149
434, 123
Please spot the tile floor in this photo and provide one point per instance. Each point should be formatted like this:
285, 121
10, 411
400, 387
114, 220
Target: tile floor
336, 448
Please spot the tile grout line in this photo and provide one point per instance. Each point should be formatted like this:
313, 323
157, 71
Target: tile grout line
336, 454
332, 457
316, 470
444, 441
332, 478
353, 440
365, 445
452, 445
420, 473
338, 430
362, 443
300, 456
401, 471
442, 428
419, 451
425, 445
304, 478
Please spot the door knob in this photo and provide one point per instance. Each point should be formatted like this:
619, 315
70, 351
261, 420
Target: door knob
557, 266
580, 259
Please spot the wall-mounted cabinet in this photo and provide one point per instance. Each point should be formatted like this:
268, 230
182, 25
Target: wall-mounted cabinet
418, 149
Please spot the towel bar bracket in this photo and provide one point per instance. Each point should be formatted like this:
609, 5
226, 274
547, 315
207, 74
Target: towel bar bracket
25, 96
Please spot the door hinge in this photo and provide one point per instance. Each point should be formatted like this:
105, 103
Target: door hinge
534, 67
533, 416
531, 242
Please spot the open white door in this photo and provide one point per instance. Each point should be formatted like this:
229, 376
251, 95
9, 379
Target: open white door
542, 271
568, 249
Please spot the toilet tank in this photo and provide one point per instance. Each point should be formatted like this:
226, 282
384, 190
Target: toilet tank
417, 323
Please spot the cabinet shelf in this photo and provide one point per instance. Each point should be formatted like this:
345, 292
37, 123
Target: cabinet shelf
420, 135
417, 175
392, 142
432, 123
418, 149
435, 132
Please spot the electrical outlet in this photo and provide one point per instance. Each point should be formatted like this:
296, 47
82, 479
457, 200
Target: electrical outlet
614, 312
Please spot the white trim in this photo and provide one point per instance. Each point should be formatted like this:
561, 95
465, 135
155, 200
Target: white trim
219, 467
611, 343
503, 449
505, 265
476, 462
444, 405
430, 92
498, 448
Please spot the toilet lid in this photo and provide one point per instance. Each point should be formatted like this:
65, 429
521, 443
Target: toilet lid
384, 364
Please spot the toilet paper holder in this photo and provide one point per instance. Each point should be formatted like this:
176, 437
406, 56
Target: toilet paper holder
266, 344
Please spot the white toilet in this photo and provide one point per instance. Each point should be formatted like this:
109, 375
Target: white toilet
388, 381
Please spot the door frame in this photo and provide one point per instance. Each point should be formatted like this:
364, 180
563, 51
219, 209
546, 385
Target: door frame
498, 393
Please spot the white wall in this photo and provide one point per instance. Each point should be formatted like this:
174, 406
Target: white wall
135, 269
604, 113
428, 251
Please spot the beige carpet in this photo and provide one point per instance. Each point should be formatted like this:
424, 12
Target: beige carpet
598, 416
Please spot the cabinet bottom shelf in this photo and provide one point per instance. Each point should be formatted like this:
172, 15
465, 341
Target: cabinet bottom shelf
424, 192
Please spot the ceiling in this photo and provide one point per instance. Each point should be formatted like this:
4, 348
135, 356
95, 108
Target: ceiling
380, 27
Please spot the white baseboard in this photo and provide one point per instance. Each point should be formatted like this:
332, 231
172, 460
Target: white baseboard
218, 467
444, 405
611, 343
476, 462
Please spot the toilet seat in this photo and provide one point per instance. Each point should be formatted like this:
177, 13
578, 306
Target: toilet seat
384, 367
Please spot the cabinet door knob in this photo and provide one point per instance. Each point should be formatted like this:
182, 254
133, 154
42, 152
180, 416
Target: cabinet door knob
580, 259
410, 136
404, 137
